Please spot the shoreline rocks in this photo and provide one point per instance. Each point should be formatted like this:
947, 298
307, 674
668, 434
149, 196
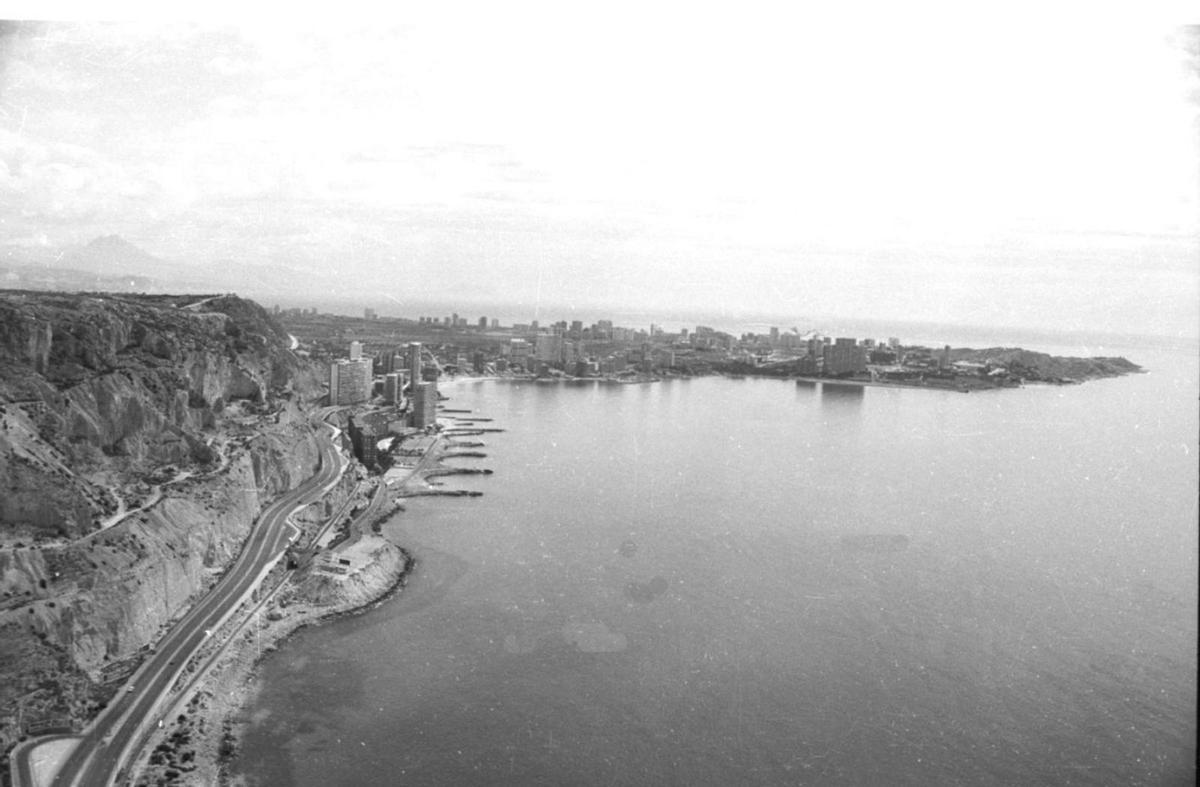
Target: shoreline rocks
209, 731
202, 741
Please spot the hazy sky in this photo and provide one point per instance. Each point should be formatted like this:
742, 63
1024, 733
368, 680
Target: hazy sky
1033, 169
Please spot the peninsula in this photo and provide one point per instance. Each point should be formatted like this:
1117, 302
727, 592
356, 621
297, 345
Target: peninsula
602, 351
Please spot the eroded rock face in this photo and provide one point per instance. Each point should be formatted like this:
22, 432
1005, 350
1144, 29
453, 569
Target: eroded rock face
187, 415
99, 390
87, 606
115, 589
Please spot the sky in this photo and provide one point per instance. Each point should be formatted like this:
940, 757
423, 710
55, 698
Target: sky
1022, 168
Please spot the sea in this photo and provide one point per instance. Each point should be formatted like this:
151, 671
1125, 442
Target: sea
720, 581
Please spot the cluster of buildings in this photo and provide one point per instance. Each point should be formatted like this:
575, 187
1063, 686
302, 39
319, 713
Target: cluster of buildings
571, 348
454, 322
399, 377
354, 380
600, 349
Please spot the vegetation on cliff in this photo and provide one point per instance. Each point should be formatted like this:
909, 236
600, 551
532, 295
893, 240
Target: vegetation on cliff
99, 392
140, 436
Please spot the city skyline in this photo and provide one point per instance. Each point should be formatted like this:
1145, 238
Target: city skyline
1013, 174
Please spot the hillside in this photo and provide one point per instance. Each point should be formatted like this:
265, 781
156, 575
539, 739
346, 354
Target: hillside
99, 392
140, 436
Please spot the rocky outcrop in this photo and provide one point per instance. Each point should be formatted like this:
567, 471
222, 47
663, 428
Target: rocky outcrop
1043, 367
206, 734
385, 565
106, 595
184, 412
98, 391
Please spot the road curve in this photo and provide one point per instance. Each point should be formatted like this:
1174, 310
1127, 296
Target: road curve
113, 737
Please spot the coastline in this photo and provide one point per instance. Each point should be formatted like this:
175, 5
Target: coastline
849, 383
958, 384
210, 720
211, 717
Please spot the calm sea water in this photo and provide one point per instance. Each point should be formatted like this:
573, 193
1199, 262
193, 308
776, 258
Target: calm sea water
655, 589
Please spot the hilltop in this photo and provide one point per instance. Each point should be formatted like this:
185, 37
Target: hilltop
113, 264
112, 255
108, 264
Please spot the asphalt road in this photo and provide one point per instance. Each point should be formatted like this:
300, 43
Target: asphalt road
113, 738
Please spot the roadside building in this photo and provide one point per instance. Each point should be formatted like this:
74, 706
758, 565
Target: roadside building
350, 382
414, 362
844, 356
424, 405
549, 348
366, 431
613, 364
882, 356
389, 361
518, 353
393, 384
647, 360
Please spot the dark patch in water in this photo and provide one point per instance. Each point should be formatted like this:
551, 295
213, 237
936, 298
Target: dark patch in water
628, 548
645, 592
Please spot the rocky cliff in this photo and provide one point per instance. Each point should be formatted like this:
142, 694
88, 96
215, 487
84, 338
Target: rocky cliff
140, 438
98, 393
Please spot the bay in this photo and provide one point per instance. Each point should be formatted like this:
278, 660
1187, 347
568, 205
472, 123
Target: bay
667, 584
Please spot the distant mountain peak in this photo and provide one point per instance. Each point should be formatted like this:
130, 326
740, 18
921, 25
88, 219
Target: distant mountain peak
113, 255
115, 243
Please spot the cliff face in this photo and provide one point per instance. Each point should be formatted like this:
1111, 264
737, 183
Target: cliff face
105, 595
140, 439
101, 391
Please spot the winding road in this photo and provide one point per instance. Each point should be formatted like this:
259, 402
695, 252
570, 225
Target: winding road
113, 739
